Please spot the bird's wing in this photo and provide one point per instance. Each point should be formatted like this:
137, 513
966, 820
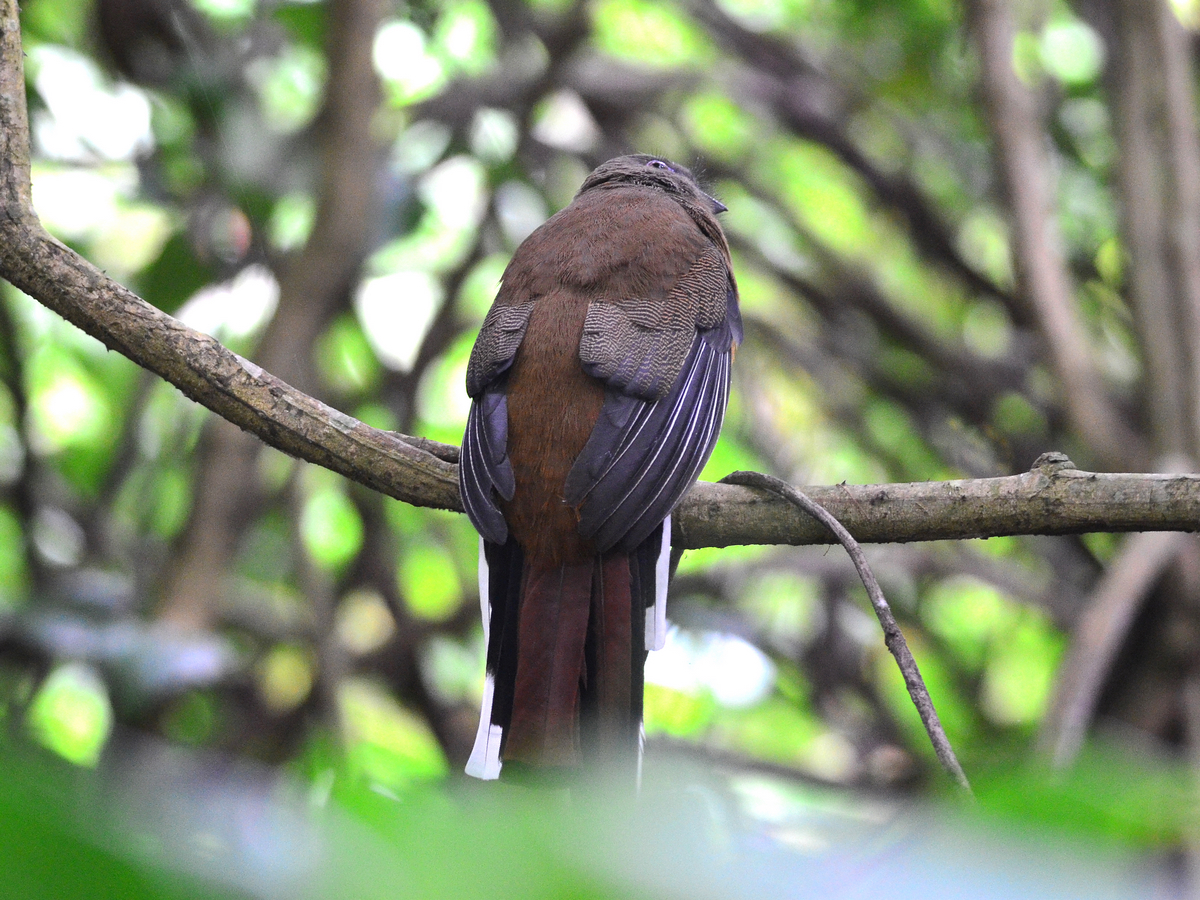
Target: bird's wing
667, 370
484, 463
639, 346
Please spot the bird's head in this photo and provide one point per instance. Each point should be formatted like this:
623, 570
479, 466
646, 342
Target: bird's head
652, 171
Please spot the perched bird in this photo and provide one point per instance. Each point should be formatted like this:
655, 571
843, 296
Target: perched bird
598, 382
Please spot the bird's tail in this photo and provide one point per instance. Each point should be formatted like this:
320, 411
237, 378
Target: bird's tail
566, 651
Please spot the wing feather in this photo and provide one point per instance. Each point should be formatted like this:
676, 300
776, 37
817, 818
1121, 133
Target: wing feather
644, 454
670, 469
482, 466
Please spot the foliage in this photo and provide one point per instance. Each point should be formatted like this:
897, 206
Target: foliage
179, 825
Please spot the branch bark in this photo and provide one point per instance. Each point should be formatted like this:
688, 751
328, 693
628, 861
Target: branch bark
1053, 498
197, 364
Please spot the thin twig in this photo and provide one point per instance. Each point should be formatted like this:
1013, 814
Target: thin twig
892, 636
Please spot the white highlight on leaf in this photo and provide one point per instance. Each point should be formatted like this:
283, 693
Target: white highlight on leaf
396, 311
87, 117
236, 308
736, 672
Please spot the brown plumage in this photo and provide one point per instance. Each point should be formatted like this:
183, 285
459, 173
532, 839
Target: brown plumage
599, 381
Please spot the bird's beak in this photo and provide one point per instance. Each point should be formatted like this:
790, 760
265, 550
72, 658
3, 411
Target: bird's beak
717, 205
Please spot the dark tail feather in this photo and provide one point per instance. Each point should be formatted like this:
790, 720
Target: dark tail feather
566, 652
552, 630
627, 587
506, 565
611, 714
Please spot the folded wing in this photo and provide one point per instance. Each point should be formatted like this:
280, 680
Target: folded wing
658, 424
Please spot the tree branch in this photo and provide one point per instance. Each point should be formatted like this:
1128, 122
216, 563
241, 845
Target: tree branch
1053, 498
1097, 639
197, 364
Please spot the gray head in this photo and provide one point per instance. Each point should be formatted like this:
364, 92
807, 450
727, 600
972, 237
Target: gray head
652, 171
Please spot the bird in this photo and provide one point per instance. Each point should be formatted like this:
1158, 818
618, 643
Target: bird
598, 384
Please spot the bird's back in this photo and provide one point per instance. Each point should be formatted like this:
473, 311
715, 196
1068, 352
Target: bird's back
616, 245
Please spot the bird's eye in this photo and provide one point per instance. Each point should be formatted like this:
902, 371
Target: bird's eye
659, 164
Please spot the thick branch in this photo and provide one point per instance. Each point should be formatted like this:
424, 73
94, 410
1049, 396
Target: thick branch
197, 364
1049, 500
1053, 498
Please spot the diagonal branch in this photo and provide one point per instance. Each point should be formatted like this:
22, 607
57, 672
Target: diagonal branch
1098, 635
197, 364
893, 637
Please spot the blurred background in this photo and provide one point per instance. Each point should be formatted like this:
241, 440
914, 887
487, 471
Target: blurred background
965, 233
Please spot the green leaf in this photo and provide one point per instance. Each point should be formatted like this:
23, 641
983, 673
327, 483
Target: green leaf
429, 581
331, 528
677, 713
71, 715
386, 744
649, 34
14, 573
346, 359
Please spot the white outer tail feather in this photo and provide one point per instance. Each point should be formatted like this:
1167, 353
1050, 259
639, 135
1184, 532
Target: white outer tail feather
656, 622
485, 755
